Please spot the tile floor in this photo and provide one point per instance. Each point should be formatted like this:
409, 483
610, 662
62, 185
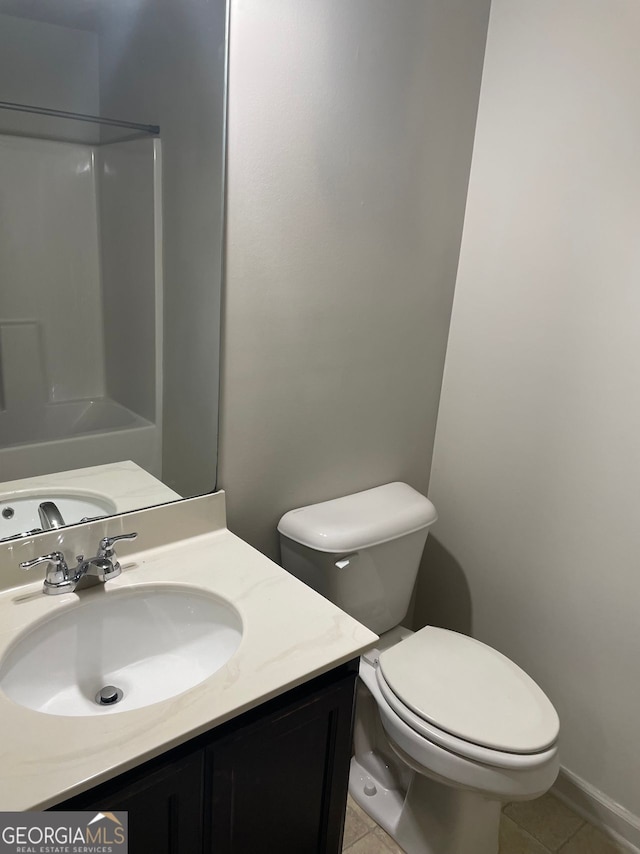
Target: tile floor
543, 826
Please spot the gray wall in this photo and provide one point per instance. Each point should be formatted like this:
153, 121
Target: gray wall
350, 135
126, 191
45, 65
162, 62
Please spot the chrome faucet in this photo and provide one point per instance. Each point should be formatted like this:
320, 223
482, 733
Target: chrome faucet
50, 516
88, 572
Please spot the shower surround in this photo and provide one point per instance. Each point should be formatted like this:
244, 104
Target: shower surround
80, 304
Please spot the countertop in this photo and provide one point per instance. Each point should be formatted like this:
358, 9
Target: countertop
127, 485
290, 634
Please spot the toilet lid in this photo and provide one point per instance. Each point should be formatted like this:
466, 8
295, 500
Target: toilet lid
470, 690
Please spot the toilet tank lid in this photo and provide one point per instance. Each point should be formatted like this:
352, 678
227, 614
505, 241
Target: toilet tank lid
360, 520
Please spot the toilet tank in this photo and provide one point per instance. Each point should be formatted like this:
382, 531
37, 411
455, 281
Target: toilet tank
362, 551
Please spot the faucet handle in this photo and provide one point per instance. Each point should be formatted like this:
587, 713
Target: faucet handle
107, 543
57, 579
107, 552
56, 558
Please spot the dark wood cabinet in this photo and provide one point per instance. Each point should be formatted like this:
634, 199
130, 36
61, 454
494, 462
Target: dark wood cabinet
272, 779
164, 806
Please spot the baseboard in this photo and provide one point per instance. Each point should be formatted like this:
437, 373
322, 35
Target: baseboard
601, 811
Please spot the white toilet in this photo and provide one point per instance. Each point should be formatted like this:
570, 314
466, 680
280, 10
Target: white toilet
447, 729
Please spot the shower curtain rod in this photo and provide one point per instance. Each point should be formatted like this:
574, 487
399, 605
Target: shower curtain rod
79, 117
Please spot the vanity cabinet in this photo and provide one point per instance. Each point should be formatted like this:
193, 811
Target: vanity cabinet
273, 779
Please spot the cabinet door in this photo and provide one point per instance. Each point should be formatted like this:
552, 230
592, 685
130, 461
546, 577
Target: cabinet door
164, 806
279, 783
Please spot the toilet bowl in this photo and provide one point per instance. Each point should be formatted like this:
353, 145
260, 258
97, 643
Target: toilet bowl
447, 728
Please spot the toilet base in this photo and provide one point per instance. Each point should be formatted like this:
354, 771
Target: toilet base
427, 817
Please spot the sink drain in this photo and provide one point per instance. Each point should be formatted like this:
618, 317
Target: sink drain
109, 695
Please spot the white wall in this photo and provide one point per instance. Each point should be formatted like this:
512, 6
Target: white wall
536, 468
350, 133
162, 62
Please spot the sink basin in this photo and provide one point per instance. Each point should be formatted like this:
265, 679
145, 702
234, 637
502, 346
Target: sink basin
19, 510
151, 643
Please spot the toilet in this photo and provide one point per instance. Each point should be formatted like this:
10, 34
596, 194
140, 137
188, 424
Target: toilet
447, 729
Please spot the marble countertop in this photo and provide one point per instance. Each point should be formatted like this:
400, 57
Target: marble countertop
290, 635
125, 483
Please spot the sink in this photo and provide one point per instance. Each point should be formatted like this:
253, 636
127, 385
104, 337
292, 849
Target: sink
150, 642
19, 509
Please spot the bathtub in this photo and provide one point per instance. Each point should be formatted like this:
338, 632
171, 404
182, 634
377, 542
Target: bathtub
54, 437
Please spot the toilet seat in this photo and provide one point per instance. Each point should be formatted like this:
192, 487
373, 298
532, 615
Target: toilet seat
455, 763
467, 697
465, 749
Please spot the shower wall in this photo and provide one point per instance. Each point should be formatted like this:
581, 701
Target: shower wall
80, 268
130, 208
80, 305
49, 261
